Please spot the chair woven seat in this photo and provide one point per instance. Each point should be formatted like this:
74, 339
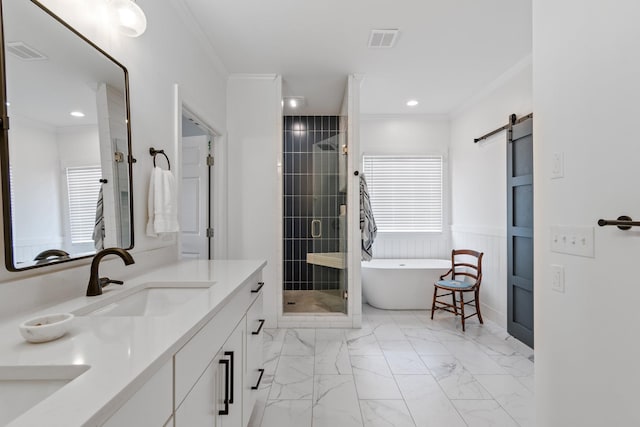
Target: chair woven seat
458, 284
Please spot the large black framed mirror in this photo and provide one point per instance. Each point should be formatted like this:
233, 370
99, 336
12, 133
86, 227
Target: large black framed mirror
66, 141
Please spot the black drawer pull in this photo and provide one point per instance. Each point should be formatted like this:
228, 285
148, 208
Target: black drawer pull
225, 411
255, 387
256, 290
259, 328
230, 354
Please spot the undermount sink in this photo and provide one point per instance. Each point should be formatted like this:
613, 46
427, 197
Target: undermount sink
23, 387
149, 301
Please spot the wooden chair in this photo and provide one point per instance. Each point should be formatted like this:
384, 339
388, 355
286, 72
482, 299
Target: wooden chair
466, 263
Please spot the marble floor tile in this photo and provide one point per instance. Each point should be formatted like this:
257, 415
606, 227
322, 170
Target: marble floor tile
484, 413
389, 332
517, 365
299, 342
473, 358
528, 382
427, 403
373, 378
407, 321
258, 409
379, 319
455, 380
366, 345
330, 335
332, 357
428, 346
493, 345
287, 413
512, 395
423, 332
293, 378
386, 413
520, 347
402, 358
400, 369
272, 346
335, 402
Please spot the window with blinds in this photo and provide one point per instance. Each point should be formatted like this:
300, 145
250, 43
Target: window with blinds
83, 187
406, 192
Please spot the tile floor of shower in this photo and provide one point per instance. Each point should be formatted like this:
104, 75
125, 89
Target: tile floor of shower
400, 369
327, 301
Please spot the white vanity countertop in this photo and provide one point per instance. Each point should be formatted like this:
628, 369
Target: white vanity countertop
122, 352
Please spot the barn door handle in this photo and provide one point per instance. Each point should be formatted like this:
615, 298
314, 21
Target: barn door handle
623, 222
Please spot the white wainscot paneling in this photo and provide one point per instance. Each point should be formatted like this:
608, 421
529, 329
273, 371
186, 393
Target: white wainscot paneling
493, 292
412, 245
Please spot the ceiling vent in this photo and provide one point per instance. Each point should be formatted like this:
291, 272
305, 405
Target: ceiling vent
383, 39
24, 52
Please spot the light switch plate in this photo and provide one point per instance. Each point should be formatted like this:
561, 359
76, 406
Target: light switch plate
557, 278
573, 240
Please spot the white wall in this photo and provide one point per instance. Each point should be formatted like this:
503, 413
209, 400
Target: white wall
155, 61
479, 181
78, 146
408, 135
35, 165
255, 178
586, 91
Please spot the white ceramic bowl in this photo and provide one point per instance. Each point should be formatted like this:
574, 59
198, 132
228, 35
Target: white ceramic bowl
46, 328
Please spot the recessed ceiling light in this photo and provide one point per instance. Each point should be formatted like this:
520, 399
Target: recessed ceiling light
294, 101
412, 103
77, 113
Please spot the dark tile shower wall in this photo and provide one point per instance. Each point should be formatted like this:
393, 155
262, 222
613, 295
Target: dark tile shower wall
310, 193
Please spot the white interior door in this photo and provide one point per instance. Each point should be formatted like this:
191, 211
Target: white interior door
194, 218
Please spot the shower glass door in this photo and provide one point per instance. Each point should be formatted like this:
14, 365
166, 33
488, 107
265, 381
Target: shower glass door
315, 215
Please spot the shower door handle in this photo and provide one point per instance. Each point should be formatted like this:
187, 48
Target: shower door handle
316, 228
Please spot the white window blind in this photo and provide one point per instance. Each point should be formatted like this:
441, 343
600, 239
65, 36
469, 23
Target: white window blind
83, 186
405, 192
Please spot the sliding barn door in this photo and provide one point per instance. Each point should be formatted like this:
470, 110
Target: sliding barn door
520, 230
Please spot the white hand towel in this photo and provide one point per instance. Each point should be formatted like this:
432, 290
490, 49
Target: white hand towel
163, 203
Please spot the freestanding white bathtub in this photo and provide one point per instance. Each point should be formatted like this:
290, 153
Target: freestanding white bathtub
401, 284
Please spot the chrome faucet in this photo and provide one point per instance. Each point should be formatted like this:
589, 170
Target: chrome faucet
96, 283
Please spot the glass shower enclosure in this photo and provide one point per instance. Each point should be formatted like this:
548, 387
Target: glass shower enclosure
315, 268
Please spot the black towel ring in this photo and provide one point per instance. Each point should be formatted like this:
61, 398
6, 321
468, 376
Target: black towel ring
154, 152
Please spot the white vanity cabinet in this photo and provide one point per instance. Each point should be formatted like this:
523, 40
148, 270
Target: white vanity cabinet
216, 398
150, 406
214, 369
253, 370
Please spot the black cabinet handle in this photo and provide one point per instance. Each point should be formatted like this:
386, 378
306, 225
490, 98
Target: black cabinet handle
256, 290
255, 387
230, 354
259, 328
225, 411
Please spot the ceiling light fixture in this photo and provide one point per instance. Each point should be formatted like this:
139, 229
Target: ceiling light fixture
412, 103
128, 17
294, 101
77, 113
